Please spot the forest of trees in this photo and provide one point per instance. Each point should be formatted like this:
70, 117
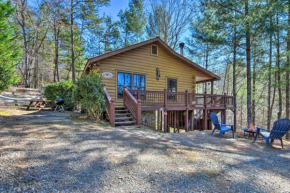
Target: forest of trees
245, 42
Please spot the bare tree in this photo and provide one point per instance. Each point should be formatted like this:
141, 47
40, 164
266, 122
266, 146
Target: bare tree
34, 29
58, 22
168, 19
21, 20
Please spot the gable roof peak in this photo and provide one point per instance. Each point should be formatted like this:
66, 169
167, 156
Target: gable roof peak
149, 41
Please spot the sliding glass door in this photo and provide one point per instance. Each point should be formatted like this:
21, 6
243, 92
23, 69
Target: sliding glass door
172, 85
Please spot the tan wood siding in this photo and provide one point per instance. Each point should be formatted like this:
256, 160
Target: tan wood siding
141, 61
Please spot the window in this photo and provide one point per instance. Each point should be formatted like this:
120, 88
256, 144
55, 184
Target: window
154, 50
132, 81
172, 85
124, 79
138, 80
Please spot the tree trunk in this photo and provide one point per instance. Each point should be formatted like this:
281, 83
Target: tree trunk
126, 38
279, 71
274, 94
248, 54
254, 93
270, 81
241, 111
56, 52
234, 67
35, 76
22, 23
228, 79
287, 105
206, 65
225, 78
288, 68
234, 74
72, 41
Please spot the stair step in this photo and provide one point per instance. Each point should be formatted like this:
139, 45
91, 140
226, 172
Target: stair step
123, 118
121, 110
122, 114
124, 122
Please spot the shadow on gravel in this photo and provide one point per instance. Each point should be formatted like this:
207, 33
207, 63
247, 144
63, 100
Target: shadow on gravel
46, 151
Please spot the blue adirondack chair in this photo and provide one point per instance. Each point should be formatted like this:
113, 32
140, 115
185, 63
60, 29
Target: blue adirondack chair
220, 126
280, 128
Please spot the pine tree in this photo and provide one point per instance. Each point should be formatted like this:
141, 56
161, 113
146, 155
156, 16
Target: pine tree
9, 50
83, 11
132, 22
111, 34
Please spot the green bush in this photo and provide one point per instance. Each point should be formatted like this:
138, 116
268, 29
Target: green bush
61, 89
89, 94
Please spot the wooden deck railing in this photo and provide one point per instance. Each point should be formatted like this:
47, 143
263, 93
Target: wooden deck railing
133, 105
110, 107
180, 100
137, 101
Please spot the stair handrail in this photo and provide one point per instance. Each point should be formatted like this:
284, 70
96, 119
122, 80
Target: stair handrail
110, 107
135, 110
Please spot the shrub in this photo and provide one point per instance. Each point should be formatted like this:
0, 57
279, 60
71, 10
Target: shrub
61, 89
89, 94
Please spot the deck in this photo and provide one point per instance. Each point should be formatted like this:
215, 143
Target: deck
177, 109
180, 101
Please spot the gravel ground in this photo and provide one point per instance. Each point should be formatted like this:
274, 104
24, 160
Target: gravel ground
49, 152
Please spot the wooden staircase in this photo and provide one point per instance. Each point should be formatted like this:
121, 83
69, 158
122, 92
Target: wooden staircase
123, 117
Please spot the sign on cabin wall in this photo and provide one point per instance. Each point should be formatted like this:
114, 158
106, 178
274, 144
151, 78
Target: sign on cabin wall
107, 75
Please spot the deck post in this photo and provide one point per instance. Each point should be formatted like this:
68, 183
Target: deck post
165, 99
225, 110
225, 117
211, 87
225, 100
158, 120
179, 120
165, 121
191, 125
112, 112
205, 116
186, 115
213, 101
138, 112
175, 120
165, 111
161, 120
138, 93
123, 95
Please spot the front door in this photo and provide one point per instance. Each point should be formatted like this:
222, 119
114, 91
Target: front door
172, 85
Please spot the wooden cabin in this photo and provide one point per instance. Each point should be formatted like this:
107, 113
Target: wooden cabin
149, 83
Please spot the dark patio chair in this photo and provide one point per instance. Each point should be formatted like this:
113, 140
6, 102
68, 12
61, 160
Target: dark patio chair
280, 128
59, 104
220, 126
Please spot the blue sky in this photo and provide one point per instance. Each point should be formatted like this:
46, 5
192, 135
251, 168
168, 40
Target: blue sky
114, 8
116, 5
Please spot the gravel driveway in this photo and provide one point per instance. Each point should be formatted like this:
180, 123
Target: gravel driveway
49, 152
